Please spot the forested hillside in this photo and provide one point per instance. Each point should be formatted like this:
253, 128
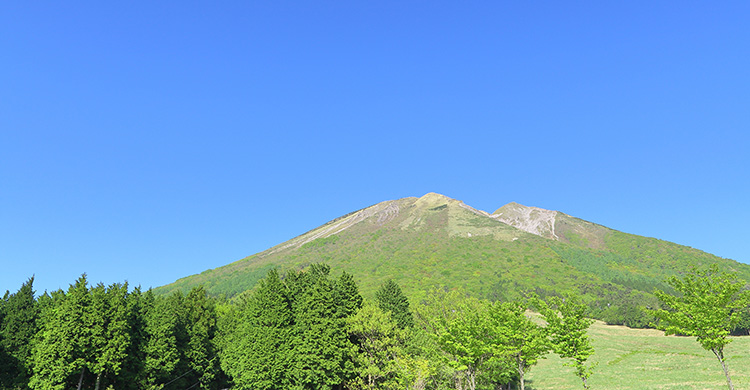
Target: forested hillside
438, 241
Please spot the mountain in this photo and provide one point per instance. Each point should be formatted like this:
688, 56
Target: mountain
438, 241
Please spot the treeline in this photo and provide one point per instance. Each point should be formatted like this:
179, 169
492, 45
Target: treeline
107, 337
297, 330
308, 330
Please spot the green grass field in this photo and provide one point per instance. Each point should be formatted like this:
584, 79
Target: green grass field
646, 359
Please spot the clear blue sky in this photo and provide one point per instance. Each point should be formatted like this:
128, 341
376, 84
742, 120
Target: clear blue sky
149, 141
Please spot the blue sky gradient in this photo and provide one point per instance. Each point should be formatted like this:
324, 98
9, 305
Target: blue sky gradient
146, 142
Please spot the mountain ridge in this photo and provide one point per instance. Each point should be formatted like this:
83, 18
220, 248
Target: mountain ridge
434, 240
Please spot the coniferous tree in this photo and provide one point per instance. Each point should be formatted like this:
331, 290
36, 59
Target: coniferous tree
5, 359
201, 329
391, 299
63, 345
257, 351
18, 325
110, 332
133, 367
322, 348
292, 333
160, 349
100, 337
346, 295
183, 374
84, 337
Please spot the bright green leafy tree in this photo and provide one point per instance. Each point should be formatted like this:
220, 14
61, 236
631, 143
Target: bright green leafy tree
467, 340
567, 326
708, 307
423, 363
380, 349
456, 324
516, 337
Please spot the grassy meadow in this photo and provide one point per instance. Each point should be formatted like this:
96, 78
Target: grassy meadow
646, 359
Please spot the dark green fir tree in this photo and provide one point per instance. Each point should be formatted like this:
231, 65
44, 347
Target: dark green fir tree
392, 300
18, 324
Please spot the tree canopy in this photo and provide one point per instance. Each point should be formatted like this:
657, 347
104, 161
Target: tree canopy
301, 329
708, 307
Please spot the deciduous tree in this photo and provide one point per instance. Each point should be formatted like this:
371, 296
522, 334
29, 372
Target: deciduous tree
707, 307
380, 348
516, 337
567, 326
453, 320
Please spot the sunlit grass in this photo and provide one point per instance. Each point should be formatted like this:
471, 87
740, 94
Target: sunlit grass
646, 359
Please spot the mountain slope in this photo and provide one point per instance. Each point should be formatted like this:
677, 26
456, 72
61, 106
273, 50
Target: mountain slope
436, 240
372, 244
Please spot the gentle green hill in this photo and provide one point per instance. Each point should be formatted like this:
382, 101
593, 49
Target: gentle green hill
436, 240
645, 359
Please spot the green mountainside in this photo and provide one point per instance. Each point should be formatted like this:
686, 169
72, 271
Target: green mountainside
436, 240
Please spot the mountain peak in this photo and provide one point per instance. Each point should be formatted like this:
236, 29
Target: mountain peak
433, 197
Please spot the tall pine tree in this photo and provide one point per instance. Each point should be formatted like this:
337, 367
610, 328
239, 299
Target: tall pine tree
346, 295
63, 344
17, 328
110, 332
257, 351
292, 332
159, 348
322, 349
201, 329
392, 300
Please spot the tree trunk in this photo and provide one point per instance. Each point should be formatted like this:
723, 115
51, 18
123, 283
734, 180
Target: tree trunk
720, 355
585, 383
80, 380
98, 380
520, 372
457, 380
471, 377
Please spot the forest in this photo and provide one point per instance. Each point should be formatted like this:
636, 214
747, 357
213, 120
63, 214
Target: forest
311, 329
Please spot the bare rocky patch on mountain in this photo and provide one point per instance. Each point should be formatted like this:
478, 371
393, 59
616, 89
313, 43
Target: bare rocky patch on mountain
534, 220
